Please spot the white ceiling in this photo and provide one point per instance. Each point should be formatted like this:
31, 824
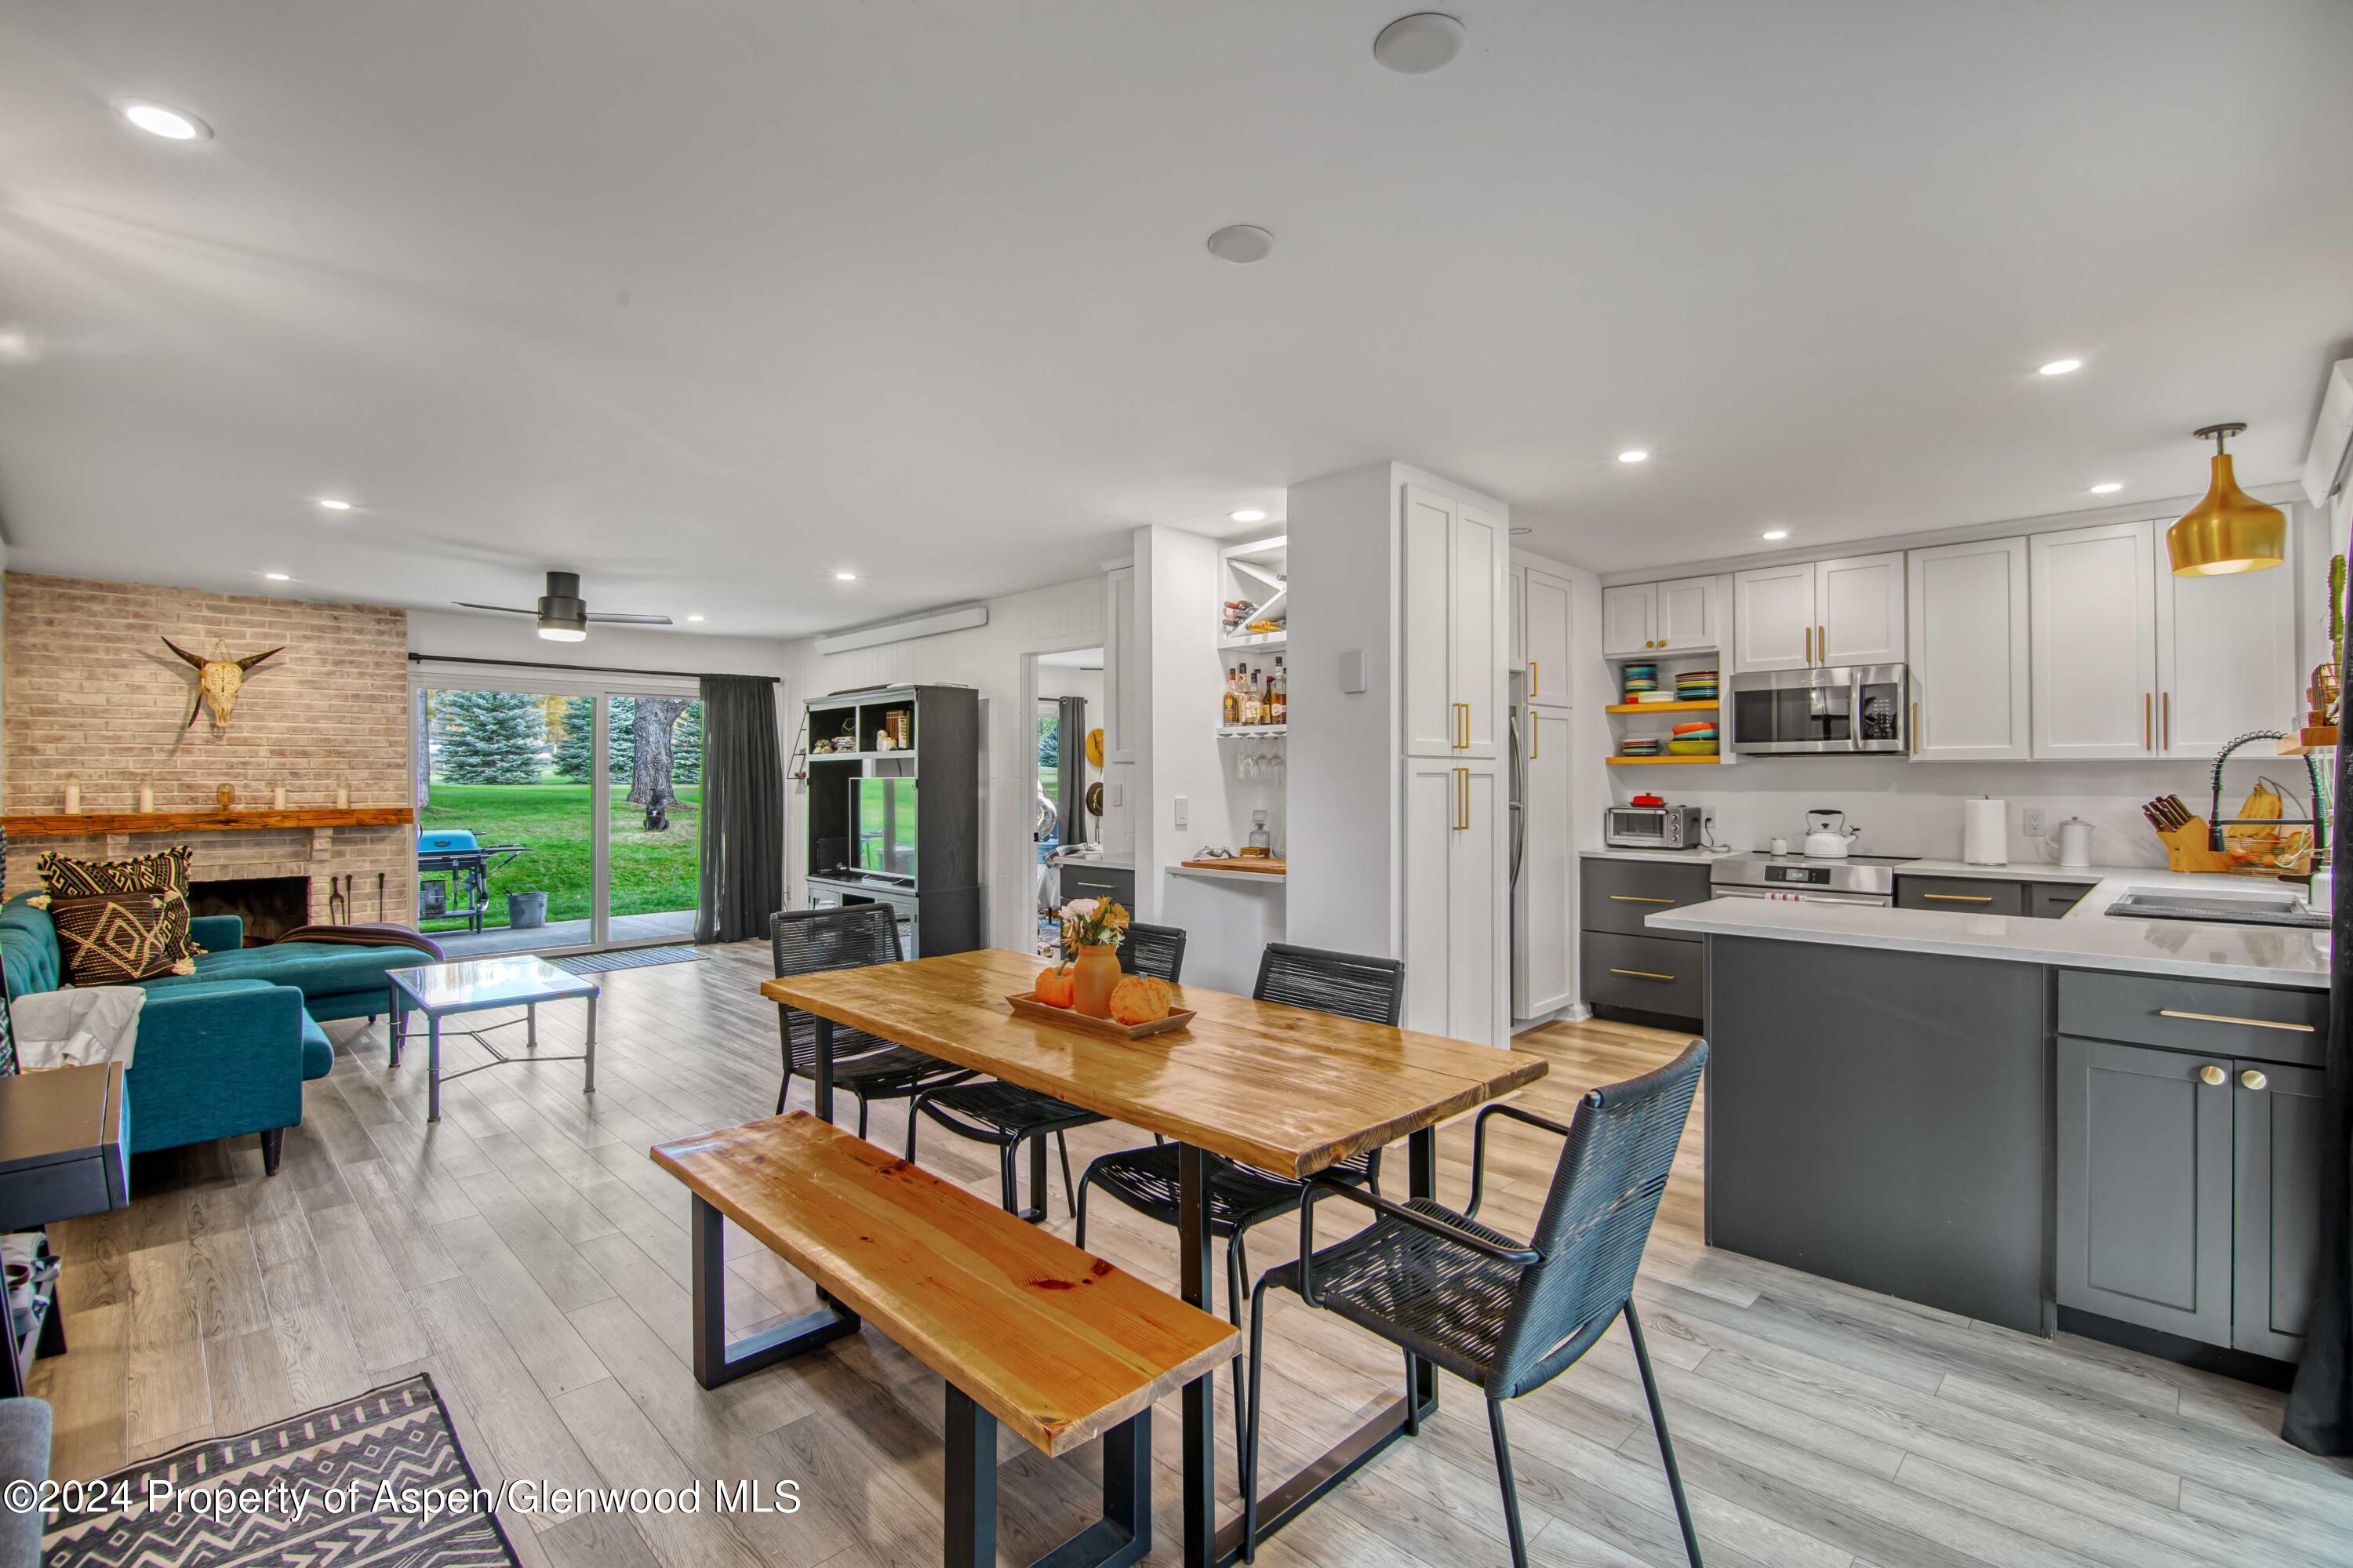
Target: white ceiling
708, 302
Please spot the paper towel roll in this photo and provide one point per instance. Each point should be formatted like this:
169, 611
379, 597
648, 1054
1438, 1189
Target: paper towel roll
1985, 839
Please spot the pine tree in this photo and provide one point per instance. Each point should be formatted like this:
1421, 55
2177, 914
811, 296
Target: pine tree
491, 737
686, 746
621, 742
576, 753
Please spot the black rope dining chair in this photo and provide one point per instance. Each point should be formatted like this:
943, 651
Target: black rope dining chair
807, 941
1507, 1316
1007, 1116
1346, 985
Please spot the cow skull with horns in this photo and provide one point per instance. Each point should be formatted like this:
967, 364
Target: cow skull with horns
219, 681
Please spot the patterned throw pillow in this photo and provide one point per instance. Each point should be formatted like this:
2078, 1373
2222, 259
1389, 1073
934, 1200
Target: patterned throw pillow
165, 870
115, 938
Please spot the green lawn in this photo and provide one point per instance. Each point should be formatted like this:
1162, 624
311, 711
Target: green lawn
651, 872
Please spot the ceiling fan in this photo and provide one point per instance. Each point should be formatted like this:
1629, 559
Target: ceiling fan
564, 615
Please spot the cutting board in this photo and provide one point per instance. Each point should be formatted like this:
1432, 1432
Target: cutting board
1237, 862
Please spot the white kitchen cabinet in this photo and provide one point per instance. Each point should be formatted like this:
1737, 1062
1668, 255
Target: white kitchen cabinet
1544, 939
1457, 957
1859, 609
1689, 613
1518, 593
1456, 634
2093, 596
1630, 620
1967, 624
1549, 602
1773, 617
2225, 656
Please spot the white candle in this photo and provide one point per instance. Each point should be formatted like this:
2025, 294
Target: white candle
342, 797
278, 798
146, 797
73, 798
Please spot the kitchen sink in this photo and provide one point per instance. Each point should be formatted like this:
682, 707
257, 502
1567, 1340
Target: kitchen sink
2221, 906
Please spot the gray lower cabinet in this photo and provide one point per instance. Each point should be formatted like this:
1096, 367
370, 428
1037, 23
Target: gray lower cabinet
2189, 1188
1649, 974
1080, 880
2050, 900
1961, 895
1623, 965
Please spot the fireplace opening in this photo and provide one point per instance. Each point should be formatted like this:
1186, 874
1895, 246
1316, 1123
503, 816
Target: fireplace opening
269, 906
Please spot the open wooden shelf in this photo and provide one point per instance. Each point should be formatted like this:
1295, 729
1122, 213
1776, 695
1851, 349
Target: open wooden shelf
1708, 706
85, 824
1650, 761
2312, 737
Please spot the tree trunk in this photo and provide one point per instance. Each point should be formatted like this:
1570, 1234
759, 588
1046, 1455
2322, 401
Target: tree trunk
650, 778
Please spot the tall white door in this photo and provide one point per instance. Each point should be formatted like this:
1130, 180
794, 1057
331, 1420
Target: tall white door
1629, 618
1543, 976
1426, 633
1773, 617
1546, 639
1967, 621
1479, 949
1432, 809
2092, 596
1477, 628
2225, 658
1859, 609
1518, 590
1688, 613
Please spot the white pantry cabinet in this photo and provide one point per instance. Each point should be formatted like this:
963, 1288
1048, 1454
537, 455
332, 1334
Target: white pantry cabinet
1546, 618
1543, 943
1457, 960
1967, 614
1456, 633
2225, 656
2093, 597
1812, 613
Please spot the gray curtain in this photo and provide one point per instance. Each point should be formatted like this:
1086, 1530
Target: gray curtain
743, 809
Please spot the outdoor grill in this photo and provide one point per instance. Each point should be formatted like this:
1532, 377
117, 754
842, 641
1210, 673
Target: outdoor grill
457, 854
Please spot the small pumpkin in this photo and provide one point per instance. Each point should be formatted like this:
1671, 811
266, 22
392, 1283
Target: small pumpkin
1141, 998
1058, 987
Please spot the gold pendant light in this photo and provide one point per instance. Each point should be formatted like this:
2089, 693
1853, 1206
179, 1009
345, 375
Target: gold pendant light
2229, 531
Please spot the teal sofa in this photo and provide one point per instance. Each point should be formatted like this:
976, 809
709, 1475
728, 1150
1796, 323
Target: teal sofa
226, 1050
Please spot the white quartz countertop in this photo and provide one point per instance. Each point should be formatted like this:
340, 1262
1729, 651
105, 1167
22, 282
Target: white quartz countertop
1672, 857
2085, 937
1250, 878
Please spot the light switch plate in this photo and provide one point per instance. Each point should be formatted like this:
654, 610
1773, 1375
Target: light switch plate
1177, 805
1119, 794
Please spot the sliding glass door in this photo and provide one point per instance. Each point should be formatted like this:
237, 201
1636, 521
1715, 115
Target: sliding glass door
556, 814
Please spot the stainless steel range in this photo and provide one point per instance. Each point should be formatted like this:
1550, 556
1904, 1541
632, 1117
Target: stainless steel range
1866, 879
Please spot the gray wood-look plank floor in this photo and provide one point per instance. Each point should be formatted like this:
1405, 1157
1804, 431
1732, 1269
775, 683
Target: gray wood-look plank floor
526, 1252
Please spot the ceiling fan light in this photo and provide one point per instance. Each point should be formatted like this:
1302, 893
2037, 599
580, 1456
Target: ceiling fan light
2229, 530
556, 631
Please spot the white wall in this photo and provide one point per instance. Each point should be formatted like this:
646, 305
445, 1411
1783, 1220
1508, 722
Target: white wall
989, 658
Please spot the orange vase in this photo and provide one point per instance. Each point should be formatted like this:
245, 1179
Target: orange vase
1097, 971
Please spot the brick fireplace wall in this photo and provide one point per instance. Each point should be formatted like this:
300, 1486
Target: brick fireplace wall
88, 692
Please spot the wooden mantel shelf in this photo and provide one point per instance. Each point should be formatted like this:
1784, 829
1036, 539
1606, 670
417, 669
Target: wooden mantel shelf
92, 824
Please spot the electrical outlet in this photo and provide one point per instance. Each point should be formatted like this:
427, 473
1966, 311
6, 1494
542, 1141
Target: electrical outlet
1179, 803
2030, 819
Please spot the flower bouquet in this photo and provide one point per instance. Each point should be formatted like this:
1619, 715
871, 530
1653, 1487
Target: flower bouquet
1092, 929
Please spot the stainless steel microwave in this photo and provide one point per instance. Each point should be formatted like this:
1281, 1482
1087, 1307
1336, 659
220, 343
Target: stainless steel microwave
1650, 827
1837, 711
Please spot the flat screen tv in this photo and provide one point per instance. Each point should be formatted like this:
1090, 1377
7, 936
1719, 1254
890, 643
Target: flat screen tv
883, 825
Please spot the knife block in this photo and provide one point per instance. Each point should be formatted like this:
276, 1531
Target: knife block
2188, 848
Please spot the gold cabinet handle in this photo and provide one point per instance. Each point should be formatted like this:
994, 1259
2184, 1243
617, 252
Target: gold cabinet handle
1960, 898
2148, 734
1461, 800
1462, 727
1636, 898
2254, 1079
1642, 974
2165, 710
2211, 1075
2226, 1018
1810, 644
1535, 738
1536, 680
1822, 642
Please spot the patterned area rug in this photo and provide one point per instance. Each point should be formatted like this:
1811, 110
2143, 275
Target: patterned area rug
628, 958
373, 1482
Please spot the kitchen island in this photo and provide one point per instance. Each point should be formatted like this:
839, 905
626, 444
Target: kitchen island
2095, 1123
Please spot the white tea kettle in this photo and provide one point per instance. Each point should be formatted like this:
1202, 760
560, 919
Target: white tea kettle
1827, 836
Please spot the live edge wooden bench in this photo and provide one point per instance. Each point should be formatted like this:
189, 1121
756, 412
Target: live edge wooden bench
1026, 1329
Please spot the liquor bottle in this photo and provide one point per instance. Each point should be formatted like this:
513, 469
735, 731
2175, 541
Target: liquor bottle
1282, 696
1249, 702
1233, 705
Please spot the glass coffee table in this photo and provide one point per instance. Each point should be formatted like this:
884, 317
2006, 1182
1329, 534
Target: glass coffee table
478, 985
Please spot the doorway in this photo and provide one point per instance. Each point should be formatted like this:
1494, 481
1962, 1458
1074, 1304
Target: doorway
556, 815
1066, 775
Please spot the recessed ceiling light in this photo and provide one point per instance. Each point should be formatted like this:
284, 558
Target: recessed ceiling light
330, 504
1636, 455
1776, 533
2062, 366
845, 576
1520, 530
1422, 42
1249, 514
1241, 243
2110, 488
278, 577
694, 618
172, 124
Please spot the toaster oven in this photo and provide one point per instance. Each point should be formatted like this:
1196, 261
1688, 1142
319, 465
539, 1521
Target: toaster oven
1650, 827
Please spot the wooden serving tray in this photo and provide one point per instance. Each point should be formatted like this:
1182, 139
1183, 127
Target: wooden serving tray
1028, 1006
1259, 863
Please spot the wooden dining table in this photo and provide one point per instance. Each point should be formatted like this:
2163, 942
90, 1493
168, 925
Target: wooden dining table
1286, 1089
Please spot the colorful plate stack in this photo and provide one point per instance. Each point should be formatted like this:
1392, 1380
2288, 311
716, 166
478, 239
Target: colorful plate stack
1639, 746
1638, 679
1695, 686
1695, 739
